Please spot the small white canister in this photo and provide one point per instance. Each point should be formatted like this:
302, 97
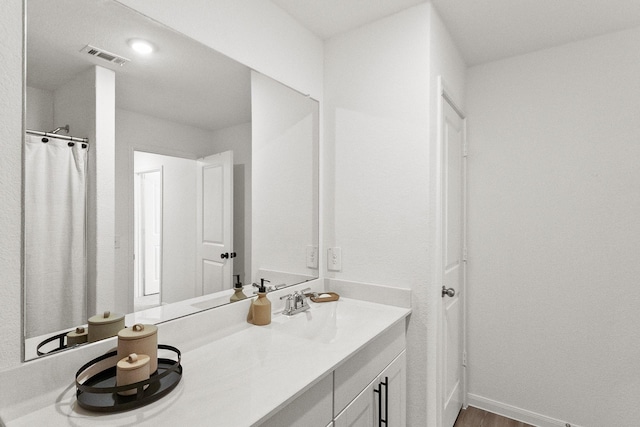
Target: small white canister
140, 339
105, 325
132, 369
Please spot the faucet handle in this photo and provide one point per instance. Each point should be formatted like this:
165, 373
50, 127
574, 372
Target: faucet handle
287, 309
303, 294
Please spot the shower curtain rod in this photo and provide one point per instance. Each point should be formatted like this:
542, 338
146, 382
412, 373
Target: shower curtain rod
55, 135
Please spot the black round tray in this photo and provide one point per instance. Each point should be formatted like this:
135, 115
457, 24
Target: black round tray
99, 392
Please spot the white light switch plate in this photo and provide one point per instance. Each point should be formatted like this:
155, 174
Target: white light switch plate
334, 259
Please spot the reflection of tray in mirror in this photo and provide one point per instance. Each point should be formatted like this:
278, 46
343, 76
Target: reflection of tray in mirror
99, 392
61, 338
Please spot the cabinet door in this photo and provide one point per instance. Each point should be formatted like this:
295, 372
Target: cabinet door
393, 396
360, 412
384, 399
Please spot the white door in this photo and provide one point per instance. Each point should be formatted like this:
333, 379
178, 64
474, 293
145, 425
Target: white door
453, 264
215, 222
150, 224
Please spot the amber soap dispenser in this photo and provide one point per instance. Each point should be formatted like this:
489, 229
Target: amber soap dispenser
260, 310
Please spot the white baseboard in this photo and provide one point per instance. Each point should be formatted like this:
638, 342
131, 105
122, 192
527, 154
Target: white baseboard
514, 412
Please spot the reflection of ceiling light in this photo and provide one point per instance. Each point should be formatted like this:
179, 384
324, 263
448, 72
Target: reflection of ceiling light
141, 46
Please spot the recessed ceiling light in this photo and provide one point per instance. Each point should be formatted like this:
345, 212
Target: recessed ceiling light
141, 46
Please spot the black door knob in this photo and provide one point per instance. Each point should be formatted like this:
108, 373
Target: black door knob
224, 255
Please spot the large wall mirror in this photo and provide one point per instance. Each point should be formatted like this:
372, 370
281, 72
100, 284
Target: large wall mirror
196, 173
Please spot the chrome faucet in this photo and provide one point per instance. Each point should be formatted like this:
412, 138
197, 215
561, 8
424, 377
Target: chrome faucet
296, 302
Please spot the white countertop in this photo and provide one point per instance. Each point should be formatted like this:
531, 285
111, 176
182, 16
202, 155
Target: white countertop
245, 377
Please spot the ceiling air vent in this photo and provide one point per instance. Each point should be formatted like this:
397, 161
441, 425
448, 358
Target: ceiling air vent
103, 54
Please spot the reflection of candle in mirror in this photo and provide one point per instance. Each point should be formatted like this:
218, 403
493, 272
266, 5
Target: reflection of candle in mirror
77, 336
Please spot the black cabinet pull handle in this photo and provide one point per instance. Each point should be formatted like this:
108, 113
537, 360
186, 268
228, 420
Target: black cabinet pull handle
386, 401
232, 255
224, 255
379, 391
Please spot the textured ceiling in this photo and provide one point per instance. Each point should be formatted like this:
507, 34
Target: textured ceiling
484, 30
487, 30
326, 18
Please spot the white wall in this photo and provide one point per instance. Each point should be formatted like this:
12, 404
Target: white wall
380, 84
554, 232
11, 124
39, 109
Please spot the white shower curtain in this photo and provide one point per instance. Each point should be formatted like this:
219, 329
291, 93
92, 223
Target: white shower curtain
55, 217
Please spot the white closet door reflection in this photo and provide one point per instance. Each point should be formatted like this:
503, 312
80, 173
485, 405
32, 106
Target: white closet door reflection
215, 222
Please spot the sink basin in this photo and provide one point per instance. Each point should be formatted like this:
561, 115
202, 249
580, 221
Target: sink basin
319, 323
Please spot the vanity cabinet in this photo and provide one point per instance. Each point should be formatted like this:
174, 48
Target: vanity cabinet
383, 401
370, 382
364, 367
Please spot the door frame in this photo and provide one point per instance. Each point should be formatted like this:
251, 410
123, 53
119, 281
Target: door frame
445, 96
139, 244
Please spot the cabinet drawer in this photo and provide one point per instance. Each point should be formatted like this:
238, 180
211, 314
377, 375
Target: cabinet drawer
359, 370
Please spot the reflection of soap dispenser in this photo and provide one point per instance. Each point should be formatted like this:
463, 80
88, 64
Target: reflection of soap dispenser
238, 295
260, 310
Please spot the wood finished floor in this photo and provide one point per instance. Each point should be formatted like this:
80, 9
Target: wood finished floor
474, 417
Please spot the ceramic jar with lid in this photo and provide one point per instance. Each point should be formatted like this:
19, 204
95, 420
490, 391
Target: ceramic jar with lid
132, 369
77, 336
140, 339
105, 325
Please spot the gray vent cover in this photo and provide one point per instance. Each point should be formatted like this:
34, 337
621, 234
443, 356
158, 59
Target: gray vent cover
103, 54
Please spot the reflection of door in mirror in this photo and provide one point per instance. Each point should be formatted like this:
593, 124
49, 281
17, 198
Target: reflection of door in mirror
148, 239
183, 227
215, 222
